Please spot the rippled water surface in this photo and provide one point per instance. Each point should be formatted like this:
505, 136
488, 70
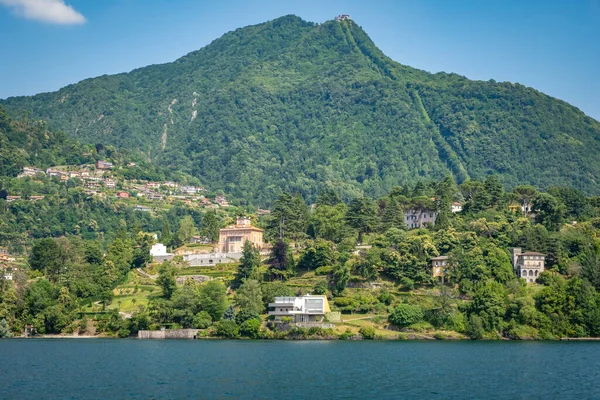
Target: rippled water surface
138, 369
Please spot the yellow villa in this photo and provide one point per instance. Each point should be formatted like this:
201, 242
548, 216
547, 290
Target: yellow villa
232, 238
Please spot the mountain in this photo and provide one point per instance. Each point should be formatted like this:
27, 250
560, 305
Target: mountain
290, 105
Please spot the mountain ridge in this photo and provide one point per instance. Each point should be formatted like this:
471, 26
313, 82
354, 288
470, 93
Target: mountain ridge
295, 106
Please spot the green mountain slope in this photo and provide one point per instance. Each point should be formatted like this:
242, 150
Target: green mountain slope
291, 105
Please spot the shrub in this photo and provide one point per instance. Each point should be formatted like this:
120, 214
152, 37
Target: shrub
202, 320
474, 327
326, 270
244, 315
227, 328
405, 315
367, 332
251, 328
320, 287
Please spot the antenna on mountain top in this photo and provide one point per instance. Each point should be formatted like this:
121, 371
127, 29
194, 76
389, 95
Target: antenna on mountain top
343, 17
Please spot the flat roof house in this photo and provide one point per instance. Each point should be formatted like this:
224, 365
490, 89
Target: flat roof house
305, 309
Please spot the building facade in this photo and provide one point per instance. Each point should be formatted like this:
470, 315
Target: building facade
232, 238
439, 268
527, 265
305, 309
419, 218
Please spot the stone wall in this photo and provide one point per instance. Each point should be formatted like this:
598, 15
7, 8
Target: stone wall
180, 280
169, 334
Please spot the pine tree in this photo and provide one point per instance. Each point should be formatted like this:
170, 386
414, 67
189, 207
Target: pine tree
249, 263
210, 226
229, 314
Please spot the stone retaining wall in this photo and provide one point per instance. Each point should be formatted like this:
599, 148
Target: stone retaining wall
169, 334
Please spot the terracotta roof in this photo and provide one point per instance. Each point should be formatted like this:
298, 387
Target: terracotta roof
532, 253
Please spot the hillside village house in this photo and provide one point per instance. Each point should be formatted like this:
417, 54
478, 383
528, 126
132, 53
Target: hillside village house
527, 265
10, 199
305, 309
221, 201
232, 238
103, 164
439, 268
419, 218
123, 195
31, 171
110, 184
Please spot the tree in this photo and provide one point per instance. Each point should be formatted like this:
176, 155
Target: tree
5, 329
341, 276
550, 211
367, 332
202, 320
393, 215
405, 315
328, 197
166, 235
329, 223
249, 263
166, 279
281, 262
229, 314
249, 297
494, 189
227, 328
210, 226
475, 327
362, 216
46, 256
187, 229
289, 218
250, 328
213, 299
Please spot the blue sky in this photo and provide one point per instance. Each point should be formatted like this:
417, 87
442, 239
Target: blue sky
551, 45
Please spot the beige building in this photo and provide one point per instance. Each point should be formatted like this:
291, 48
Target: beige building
527, 265
232, 238
439, 267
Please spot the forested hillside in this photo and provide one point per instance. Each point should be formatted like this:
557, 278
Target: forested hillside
289, 105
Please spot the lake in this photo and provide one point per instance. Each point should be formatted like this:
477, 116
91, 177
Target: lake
207, 369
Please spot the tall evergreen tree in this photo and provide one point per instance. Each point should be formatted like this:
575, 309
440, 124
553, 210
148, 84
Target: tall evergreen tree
249, 264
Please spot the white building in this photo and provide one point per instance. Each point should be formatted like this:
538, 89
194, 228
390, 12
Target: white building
419, 218
159, 253
308, 308
456, 207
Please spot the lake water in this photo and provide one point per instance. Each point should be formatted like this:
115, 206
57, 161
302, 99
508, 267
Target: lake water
203, 369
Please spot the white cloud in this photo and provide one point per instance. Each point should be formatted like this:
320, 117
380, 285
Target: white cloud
50, 11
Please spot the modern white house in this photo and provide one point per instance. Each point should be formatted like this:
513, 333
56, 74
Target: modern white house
159, 253
527, 265
306, 309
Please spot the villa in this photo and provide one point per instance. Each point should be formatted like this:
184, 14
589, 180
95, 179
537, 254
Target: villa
527, 265
305, 309
232, 238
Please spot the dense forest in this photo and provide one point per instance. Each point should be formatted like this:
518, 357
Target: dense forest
289, 105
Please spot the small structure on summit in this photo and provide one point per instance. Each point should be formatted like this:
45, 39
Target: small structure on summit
343, 17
